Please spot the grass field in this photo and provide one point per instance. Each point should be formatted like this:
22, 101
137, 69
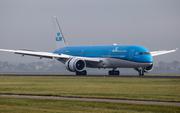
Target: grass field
12, 105
155, 89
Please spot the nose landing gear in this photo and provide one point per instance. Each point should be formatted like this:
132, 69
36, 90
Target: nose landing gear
141, 71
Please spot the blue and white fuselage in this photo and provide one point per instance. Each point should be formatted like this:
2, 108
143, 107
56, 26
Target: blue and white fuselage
112, 56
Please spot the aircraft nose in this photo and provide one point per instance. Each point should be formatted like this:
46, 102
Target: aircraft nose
149, 59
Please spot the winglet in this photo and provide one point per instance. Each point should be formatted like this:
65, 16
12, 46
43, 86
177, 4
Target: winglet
176, 49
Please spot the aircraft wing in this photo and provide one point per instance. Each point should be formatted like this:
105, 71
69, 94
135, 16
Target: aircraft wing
37, 54
48, 55
156, 53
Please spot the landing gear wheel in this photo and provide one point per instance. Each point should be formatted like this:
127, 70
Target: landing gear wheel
78, 73
118, 72
81, 73
142, 74
111, 72
84, 72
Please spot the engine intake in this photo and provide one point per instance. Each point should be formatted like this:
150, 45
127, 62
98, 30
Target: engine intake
75, 65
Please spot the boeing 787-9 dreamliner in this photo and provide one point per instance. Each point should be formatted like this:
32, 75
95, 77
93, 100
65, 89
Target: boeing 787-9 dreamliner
78, 58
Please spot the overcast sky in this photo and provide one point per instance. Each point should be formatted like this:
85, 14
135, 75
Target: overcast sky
27, 24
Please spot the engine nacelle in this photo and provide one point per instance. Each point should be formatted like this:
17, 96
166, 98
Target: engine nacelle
75, 64
146, 69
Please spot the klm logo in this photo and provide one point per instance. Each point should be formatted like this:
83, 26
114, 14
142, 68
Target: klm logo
58, 38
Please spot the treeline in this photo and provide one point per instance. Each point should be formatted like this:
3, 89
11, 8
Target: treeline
57, 67
167, 66
33, 66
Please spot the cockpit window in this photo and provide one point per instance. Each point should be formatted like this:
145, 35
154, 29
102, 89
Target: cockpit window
145, 53
141, 53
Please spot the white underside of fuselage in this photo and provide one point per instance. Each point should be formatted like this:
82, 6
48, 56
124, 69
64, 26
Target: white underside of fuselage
116, 63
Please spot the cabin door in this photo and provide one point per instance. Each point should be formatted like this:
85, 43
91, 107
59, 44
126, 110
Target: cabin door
131, 54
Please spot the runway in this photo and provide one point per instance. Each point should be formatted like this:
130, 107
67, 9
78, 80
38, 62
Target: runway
65, 75
92, 99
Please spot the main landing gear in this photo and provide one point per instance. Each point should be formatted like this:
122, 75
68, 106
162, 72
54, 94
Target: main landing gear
114, 72
81, 73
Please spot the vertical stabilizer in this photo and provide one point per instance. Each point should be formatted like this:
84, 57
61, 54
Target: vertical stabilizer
59, 38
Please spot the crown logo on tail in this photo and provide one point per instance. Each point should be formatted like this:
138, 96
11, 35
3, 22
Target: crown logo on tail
58, 34
58, 38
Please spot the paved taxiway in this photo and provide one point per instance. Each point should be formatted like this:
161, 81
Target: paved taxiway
92, 99
129, 76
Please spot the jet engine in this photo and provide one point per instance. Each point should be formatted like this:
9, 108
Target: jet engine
145, 69
75, 65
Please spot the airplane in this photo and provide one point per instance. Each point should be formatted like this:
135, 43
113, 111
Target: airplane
78, 58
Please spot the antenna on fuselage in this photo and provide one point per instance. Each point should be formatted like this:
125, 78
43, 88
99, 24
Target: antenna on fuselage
114, 44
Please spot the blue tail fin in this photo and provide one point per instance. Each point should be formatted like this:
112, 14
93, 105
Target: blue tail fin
59, 38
